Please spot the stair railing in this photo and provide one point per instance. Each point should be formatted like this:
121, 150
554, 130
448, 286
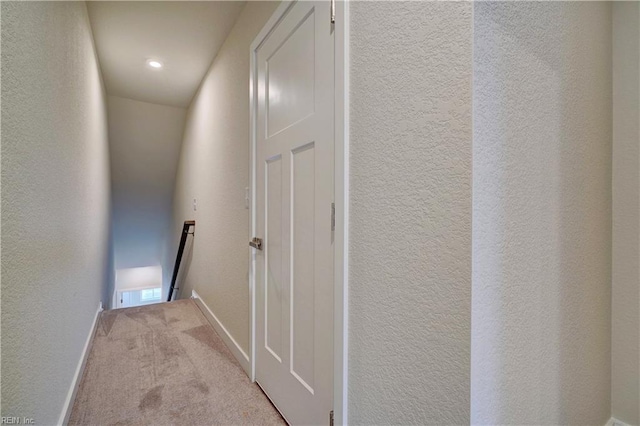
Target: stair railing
183, 240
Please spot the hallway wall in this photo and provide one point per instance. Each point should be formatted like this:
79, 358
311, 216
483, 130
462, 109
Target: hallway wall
625, 339
410, 218
144, 142
542, 213
55, 202
214, 169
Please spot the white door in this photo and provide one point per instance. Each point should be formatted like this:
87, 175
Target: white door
294, 194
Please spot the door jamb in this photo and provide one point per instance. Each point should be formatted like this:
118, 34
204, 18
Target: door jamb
341, 197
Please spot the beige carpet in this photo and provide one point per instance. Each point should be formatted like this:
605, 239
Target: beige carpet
164, 364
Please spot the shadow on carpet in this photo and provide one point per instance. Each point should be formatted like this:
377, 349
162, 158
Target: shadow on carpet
164, 364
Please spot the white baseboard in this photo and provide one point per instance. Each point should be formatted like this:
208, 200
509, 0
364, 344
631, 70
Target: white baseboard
231, 343
615, 422
75, 383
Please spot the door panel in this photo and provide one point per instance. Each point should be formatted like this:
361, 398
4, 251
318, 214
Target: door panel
290, 70
294, 177
273, 240
302, 265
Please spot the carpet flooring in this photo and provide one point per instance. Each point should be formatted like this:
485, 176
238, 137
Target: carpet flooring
164, 364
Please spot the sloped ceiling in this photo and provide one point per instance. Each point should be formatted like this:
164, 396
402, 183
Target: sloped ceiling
183, 36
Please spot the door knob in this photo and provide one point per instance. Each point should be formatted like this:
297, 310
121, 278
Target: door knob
256, 243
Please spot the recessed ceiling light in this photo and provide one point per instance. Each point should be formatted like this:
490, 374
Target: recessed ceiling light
154, 64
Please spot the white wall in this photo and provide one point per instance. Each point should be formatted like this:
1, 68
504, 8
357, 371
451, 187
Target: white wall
541, 213
625, 339
410, 230
214, 169
145, 142
146, 277
55, 202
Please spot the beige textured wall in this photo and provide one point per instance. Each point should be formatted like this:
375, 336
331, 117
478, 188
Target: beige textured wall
214, 169
410, 224
542, 213
55, 202
625, 338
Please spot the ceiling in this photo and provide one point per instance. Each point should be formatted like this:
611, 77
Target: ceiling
183, 35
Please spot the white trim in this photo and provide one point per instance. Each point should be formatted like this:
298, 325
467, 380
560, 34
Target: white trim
75, 383
341, 191
341, 194
222, 331
252, 216
615, 422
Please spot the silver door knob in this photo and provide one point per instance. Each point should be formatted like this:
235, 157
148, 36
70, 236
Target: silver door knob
256, 243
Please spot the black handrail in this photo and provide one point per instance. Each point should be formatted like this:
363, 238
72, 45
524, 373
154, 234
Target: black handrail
183, 240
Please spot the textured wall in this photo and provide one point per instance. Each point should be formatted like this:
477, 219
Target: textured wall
55, 202
214, 169
625, 327
145, 144
541, 213
410, 225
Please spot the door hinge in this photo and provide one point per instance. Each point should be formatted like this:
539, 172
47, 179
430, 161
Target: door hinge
333, 217
331, 418
333, 11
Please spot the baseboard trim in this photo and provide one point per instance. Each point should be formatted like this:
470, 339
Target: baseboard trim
227, 338
615, 422
75, 383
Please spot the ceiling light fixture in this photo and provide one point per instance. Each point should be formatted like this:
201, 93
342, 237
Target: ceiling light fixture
154, 64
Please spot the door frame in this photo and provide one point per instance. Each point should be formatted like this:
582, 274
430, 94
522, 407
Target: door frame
341, 195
